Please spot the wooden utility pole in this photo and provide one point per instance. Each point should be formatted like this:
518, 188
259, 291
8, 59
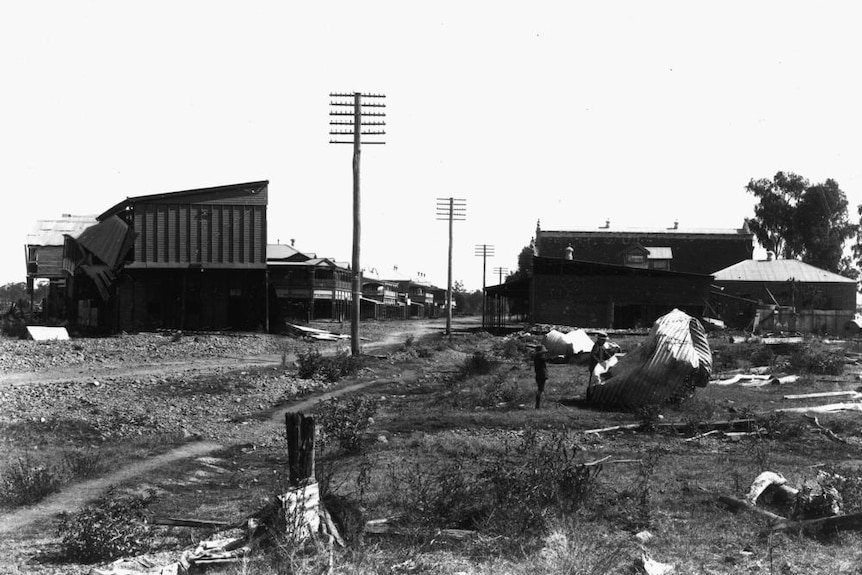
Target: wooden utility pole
499, 299
484, 250
450, 209
355, 128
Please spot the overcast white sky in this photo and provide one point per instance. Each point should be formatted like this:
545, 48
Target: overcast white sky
568, 112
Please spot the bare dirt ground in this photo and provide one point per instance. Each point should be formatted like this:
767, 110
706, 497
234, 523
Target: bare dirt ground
201, 392
199, 419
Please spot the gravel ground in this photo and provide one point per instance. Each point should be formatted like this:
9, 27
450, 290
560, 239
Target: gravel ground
26, 355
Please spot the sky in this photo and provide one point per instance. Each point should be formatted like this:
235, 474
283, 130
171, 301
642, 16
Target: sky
569, 113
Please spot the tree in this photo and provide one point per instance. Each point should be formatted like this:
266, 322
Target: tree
525, 265
796, 219
466, 303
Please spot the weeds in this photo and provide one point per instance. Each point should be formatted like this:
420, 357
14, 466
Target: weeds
816, 361
25, 482
344, 421
476, 364
111, 527
510, 492
312, 364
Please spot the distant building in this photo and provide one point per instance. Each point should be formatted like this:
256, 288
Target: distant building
44, 248
192, 259
786, 295
307, 287
698, 251
593, 294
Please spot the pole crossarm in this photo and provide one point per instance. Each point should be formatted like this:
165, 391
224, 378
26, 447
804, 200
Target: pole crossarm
359, 104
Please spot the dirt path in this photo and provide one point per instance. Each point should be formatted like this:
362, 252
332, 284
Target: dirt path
77, 495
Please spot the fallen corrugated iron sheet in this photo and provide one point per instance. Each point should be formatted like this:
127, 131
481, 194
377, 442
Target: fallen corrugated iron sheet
674, 357
41, 333
568, 344
109, 240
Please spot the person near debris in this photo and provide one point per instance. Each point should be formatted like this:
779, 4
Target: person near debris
540, 364
598, 354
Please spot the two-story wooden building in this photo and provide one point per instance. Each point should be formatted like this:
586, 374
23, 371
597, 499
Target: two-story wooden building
307, 287
44, 249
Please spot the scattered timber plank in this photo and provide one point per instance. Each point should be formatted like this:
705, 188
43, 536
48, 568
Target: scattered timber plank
382, 527
852, 394
828, 408
740, 505
203, 523
615, 428
824, 430
852, 521
702, 435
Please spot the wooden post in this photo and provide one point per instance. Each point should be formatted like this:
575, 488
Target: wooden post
449, 276
357, 272
300, 448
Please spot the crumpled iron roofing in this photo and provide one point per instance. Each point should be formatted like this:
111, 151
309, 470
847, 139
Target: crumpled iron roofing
675, 355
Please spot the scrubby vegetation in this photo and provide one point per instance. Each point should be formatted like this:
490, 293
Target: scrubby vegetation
113, 526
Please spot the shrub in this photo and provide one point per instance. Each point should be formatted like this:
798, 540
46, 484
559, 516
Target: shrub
25, 482
312, 364
762, 356
527, 480
816, 361
12, 326
111, 527
511, 491
476, 364
344, 421
513, 349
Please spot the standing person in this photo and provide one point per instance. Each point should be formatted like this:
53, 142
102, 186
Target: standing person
540, 364
598, 354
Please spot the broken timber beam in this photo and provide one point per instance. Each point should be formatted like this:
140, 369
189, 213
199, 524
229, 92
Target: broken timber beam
852, 521
738, 504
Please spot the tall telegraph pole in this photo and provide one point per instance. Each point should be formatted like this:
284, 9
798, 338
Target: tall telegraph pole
451, 209
365, 123
484, 250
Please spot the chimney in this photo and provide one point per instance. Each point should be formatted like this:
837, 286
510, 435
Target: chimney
676, 224
291, 242
606, 226
569, 252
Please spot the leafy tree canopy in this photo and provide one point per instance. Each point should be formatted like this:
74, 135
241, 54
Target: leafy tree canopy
799, 220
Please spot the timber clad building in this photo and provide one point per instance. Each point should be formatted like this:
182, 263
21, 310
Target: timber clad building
590, 294
197, 261
619, 278
694, 251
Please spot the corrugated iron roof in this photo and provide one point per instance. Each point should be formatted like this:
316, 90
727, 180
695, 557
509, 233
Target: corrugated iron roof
778, 271
253, 187
51, 232
673, 353
284, 251
639, 230
108, 240
659, 253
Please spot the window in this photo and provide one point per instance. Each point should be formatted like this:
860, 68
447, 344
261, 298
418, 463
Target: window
635, 258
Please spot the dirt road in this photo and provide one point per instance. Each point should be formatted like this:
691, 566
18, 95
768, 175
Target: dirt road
74, 496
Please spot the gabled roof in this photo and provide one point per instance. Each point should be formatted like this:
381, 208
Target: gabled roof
229, 190
285, 252
51, 232
778, 271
